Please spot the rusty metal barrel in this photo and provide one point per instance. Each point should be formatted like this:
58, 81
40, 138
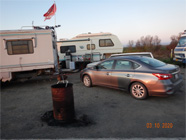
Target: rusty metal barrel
63, 102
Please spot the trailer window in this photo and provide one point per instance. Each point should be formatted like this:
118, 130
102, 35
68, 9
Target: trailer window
92, 47
19, 47
64, 49
106, 43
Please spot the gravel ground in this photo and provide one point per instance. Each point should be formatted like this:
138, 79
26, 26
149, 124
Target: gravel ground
113, 113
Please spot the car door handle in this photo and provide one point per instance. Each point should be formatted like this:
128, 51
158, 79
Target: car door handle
108, 73
128, 75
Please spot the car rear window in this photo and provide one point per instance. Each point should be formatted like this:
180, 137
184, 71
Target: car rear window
152, 62
123, 65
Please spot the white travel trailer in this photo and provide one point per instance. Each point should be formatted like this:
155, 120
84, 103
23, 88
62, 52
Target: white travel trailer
89, 47
180, 50
24, 52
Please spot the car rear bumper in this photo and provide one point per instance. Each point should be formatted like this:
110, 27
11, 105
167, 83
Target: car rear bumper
175, 87
166, 88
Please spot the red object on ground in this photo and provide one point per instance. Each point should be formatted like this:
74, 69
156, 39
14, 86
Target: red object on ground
63, 102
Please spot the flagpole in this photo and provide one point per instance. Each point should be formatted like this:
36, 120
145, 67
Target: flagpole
55, 16
55, 20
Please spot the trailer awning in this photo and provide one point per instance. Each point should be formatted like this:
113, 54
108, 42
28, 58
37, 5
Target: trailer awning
73, 40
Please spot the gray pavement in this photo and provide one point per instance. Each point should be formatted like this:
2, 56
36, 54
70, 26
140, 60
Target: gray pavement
114, 113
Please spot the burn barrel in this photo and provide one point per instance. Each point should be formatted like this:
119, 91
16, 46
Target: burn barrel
63, 102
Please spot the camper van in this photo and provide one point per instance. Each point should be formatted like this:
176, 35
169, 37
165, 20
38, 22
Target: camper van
180, 50
89, 47
26, 52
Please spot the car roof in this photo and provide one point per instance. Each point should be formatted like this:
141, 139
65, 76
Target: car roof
131, 53
132, 57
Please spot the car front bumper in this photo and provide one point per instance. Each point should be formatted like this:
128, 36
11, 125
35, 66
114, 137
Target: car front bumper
183, 60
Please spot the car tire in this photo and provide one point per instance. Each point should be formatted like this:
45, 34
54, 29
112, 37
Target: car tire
87, 81
138, 91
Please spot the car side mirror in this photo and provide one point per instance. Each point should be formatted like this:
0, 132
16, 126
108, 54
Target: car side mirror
96, 67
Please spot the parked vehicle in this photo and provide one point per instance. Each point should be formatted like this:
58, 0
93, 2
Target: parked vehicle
25, 53
89, 47
148, 54
180, 50
141, 76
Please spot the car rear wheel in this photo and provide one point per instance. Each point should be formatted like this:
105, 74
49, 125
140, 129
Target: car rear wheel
138, 91
87, 81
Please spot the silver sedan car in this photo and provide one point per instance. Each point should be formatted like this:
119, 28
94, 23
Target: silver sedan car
141, 76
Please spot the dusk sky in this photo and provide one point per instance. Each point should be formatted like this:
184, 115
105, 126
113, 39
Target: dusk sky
128, 19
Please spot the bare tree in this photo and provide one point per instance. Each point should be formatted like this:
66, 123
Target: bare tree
145, 41
142, 41
148, 41
174, 41
156, 41
138, 43
131, 43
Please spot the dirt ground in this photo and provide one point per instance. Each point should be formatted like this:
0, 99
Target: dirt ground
113, 113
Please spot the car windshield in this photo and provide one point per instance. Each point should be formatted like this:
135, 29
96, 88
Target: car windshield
152, 62
182, 42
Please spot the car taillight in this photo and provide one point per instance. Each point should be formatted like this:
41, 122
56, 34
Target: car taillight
161, 76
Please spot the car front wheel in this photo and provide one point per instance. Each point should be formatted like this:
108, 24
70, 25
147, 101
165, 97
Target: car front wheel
87, 81
138, 91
